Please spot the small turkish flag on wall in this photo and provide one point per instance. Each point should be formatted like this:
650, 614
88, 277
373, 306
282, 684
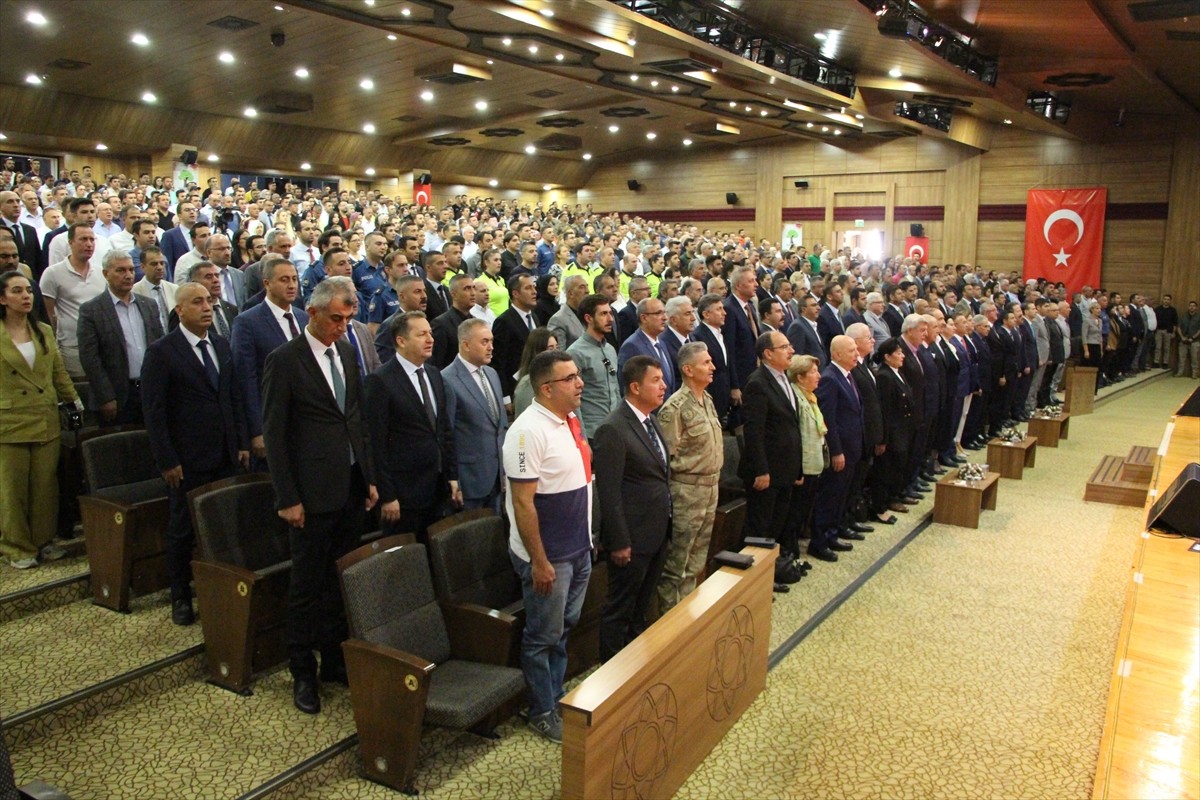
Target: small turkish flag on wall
1064, 235
423, 194
917, 247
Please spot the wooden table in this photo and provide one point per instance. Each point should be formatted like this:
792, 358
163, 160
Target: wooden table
958, 502
1011, 459
1080, 392
1049, 430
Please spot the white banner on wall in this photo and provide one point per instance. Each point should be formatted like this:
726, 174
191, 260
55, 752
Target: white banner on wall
793, 236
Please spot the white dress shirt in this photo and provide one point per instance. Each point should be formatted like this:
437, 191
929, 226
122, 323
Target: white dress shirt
318, 350
716, 332
60, 248
194, 341
410, 369
283, 323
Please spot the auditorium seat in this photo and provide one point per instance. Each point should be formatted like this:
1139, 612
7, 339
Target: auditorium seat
413, 661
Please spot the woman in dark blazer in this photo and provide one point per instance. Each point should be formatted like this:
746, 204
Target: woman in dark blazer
33, 380
900, 425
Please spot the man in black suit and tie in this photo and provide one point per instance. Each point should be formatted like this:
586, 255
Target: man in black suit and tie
708, 332
437, 295
632, 477
24, 235
804, 334
412, 445
894, 314
511, 329
445, 327
770, 465
842, 408
829, 319
627, 319
321, 470
741, 334
193, 414
208, 275
477, 417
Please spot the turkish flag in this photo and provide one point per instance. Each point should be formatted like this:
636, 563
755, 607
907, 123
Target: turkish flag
917, 247
422, 193
1064, 235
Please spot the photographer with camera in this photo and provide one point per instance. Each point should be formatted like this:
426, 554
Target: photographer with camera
33, 382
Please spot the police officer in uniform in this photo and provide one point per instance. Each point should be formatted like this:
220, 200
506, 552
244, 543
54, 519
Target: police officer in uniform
692, 431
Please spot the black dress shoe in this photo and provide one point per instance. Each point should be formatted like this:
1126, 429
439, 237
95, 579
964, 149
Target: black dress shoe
804, 567
821, 554
787, 572
889, 520
334, 673
898, 507
304, 695
938, 470
929, 477
853, 536
181, 612
781, 588
924, 487
861, 527
840, 547
947, 462
909, 500
961, 460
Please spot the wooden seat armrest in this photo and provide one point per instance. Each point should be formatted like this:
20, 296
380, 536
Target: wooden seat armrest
266, 572
104, 504
223, 572
382, 653
479, 634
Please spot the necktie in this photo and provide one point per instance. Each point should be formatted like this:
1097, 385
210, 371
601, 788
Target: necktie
442, 294
853, 387
529, 321
658, 451
753, 321
226, 283
668, 368
489, 399
362, 370
219, 319
585, 450
15, 227
210, 366
339, 385
426, 399
312, 256
292, 324
162, 306
787, 392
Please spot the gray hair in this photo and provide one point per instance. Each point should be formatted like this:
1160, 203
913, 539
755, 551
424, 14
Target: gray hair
274, 234
676, 303
208, 243
858, 330
912, 321
114, 255
690, 353
269, 262
468, 326
874, 297
978, 319
339, 287
571, 281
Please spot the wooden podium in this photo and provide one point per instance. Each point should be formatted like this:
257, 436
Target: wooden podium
1011, 458
1080, 395
640, 725
1050, 430
959, 502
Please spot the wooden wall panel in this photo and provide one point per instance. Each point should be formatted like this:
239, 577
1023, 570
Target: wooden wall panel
1181, 245
961, 197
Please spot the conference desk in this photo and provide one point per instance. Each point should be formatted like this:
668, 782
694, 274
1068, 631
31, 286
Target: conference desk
1150, 747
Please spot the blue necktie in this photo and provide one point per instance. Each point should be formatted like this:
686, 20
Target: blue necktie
667, 367
210, 366
362, 370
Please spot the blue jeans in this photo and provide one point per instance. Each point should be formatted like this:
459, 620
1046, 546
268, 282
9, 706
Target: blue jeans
548, 620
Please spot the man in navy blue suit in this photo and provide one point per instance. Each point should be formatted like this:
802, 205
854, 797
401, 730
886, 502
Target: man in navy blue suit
652, 321
829, 319
627, 319
681, 319
740, 332
178, 241
193, 412
477, 416
708, 332
842, 407
803, 333
259, 331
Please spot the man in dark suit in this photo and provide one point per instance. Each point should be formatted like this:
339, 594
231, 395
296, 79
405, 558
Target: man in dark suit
894, 314
1005, 346
445, 327
24, 235
178, 241
259, 331
842, 408
829, 319
413, 440
511, 330
115, 328
1057, 351
627, 318
741, 333
914, 373
194, 417
804, 334
975, 432
1029, 363
771, 463
438, 296
410, 296
223, 313
857, 308
681, 319
477, 417
632, 477
652, 321
321, 470
708, 332
873, 432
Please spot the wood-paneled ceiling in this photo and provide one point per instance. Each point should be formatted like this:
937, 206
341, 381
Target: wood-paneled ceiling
560, 75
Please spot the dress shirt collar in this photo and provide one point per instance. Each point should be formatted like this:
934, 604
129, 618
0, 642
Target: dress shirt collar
409, 367
641, 418
714, 331
116, 300
316, 345
193, 339
277, 311
845, 372
471, 368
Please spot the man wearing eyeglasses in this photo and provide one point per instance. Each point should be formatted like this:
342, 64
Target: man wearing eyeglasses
597, 362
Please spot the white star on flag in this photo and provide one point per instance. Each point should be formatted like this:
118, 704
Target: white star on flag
1060, 258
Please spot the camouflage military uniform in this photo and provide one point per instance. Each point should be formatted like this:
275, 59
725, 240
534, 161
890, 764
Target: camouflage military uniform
693, 434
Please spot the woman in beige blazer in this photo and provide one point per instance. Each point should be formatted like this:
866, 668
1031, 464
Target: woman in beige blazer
33, 380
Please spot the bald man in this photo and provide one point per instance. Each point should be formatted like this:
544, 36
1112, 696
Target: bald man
842, 407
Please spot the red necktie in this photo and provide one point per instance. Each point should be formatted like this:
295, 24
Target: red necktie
585, 450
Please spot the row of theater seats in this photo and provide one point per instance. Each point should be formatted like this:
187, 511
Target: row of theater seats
435, 632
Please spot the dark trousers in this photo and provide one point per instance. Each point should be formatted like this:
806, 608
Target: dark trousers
1016, 400
129, 412
316, 618
415, 521
858, 490
1001, 401
916, 454
180, 538
977, 417
630, 589
768, 512
832, 495
1043, 395
799, 516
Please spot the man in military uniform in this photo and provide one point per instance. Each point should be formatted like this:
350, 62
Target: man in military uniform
692, 431
382, 301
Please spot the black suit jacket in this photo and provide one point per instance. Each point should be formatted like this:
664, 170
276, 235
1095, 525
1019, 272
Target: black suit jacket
772, 432
1057, 350
806, 341
935, 381
914, 375
739, 342
509, 333
633, 484
435, 306
899, 410
868, 390
413, 460
231, 312
983, 356
191, 424
445, 337
893, 318
28, 246
723, 376
309, 439
626, 324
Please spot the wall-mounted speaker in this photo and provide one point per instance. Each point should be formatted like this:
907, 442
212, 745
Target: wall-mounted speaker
731, 198
1175, 509
801, 184
425, 179
189, 157
916, 229
633, 185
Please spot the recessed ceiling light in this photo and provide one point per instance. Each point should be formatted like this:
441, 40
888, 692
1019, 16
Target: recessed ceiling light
614, 128
559, 56
687, 142
225, 57
406, 12
368, 128
895, 72
481, 105
651, 135
367, 83
748, 109
546, 187
369, 2
713, 70
633, 78
859, 116
654, 84
493, 182
533, 48
251, 111
306, 166
490, 62
427, 95
392, 37
772, 81
506, 41
820, 37
824, 129
631, 41
370, 170
36, 18
674, 88
586, 156
547, 13
139, 39
213, 157
149, 97
2, 137
837, 132
762, 113
1008, 121
301, 72
101, 146
530, 149
808, 125
732, 103
279, 8
33, 80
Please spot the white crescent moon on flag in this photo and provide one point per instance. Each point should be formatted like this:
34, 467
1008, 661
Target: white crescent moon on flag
1067, 214
916, 248
423, 196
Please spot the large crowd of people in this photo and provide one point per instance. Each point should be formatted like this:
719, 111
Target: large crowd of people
582, 371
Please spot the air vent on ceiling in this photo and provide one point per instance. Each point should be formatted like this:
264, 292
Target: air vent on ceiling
713, 129
559, 143
453, 73
679, 66
406, 118
1079, 79
232, 23
1154, 10
280, 102
890, 133
544, 94
1183, 36
68, 63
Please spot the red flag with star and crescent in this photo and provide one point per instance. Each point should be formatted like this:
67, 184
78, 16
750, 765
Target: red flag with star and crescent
917, 247
1064, 235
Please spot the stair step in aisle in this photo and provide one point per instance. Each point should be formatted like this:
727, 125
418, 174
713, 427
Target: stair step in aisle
1108, 486
1138, 466
57, 583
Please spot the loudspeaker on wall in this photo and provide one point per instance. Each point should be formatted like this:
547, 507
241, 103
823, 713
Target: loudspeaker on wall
731, 198
633, 185
916, 229
188, 157
801, 184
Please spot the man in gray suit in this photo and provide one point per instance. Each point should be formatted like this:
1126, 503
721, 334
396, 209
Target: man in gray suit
566, 323
477, 416
1042, 339
115, 328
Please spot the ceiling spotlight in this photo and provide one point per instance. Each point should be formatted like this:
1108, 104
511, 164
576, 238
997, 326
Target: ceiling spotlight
506, 41
36, 18
392, 37
251, 111
279, 8
654, 84
633, 78
586, 156
481, 105
306, 166
530, 149
763, 113
406, 12
427, 95
225, 57
368, 128
33, 80
367, 84
808, 125
493, 182
732, 103
213, 157
547, 13
2, 137
674, 88
748, 109
559, 56
651, 135
148, 97
490, 62
687, 142
370, 170
713, 70
772, 80
824, 129
369, 2
301, 72
631, 41
533, 48
546, 187
820, 37
895, 72
101, 146
859, 116
139, 39
1007, 121
614, 128
837, 132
